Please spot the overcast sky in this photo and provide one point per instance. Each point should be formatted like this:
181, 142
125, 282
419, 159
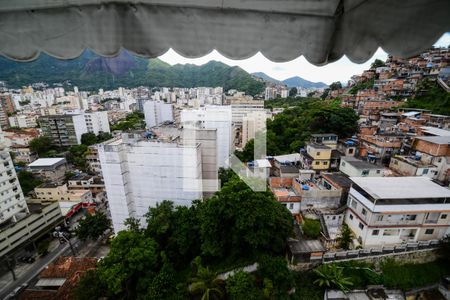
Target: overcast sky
341, 70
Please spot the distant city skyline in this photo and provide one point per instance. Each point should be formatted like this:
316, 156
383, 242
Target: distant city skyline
340, 70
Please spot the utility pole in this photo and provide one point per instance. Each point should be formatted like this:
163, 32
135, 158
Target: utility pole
62, 239
10, 267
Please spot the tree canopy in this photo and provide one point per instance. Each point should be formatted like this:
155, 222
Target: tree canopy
336, 85
290, 129
92, 226
155, 263
41, 145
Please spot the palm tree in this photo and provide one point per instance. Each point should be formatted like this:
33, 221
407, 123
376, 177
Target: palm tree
346, 237
206, 283
332, 276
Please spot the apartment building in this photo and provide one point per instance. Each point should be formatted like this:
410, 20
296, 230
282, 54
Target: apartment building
66, 130
96, 122
63, 130
354, 167
379, 146
49, 169
93, 160
12, 201
40, 219
141, 171
241, 106
48, 193
394, 210
253, 123
23, 121
157, 112
316, 157
213, 117
434, 151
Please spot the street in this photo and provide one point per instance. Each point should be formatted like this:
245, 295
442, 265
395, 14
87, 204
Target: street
38, 266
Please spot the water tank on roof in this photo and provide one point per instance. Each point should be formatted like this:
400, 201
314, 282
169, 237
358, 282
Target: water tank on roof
305, 187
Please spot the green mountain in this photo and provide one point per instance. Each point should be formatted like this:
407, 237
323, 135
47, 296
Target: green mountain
91, 72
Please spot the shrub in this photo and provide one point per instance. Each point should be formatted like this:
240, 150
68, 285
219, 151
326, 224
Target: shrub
311, 228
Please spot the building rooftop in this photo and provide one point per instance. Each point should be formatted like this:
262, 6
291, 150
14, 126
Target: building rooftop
318, 146
262, 163
338, 179
47, 162
435, 131
401, 187
440, 140
359, 164
323, 135
294, 157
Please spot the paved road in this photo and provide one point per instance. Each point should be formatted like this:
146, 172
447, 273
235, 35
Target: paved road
37, 267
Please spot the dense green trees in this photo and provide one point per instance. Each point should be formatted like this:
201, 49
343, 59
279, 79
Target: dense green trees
311, 228
346, 237
293, 92
92, 226
27, 181
332, 276
247, 153
235, 224
336, 85
77, 156
429, 95
88, 138
377, 63
289, 130
242, 286
41, 145
238, 222
134, 120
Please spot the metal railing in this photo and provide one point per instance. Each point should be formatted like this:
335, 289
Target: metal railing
363, 253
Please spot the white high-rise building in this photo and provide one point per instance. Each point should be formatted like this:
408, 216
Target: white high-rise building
252, 123
157, 112
213, 117
140, 172
97, 121
12, 201
241, 106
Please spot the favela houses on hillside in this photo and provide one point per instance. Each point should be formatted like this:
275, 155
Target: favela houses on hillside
215, 150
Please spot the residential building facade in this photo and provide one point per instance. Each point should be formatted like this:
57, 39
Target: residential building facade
394, 210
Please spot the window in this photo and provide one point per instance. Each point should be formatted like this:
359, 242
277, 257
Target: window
350, 151
291, 205
410, 217
361, 226
375, 232
429, 231
444, 216
391, 232
317, 163
378, 171
425, 171
324, 163
365, 173
364, 212
351, 217
318, 153
353, 203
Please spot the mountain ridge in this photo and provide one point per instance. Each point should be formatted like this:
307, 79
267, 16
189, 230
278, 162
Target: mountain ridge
91, 72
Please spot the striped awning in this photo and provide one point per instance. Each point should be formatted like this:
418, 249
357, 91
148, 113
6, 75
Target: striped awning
321, 30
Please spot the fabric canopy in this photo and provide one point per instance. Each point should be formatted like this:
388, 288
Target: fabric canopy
321, 30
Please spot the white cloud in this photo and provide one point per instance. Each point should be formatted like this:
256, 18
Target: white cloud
341, 70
